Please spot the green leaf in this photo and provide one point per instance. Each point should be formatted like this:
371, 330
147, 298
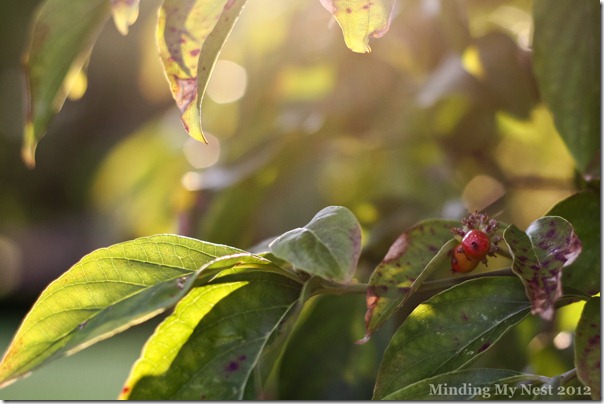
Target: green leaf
467, 384
360, 20
567, 49
106, 292
588, 347
190, 35
450, 330
209, 346
326, 336
125, 13
539, 255
329, 246
398, 275
582, 210
62, 38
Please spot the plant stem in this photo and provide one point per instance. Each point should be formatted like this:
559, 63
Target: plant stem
568, 376
339, 289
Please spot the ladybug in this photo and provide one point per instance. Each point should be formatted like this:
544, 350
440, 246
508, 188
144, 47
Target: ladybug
461, 261
476, 244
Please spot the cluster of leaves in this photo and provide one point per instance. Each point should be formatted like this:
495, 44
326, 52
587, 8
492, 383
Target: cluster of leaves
235, 309
237, 315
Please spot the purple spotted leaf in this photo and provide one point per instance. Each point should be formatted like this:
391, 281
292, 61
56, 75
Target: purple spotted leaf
588, 347
209, 346
539, 254
125, 13
190, 35
329, 246
57, 52
360, 20
450, 330
398, 275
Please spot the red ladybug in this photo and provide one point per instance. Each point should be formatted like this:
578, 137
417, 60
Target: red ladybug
461, 261
476, 244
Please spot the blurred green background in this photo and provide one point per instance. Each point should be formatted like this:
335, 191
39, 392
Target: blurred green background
441, 118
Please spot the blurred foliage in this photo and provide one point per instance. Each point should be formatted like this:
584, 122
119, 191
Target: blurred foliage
441, 118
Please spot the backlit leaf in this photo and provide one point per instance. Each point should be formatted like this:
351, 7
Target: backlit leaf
360, 20
125, 13
398, 275
449, 330
209, 346
539, 255
329, 246
567, 64
62, 38
190, 35
588, 347
106, 292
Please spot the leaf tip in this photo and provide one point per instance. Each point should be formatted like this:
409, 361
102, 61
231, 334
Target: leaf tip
363, 340
28, 150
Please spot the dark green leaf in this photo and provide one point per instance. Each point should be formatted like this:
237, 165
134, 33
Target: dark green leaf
468, 384
588, 347
582, 210
106, 292
209, 346
539, 255
398, 275
449, 330
567, 49
62, 38
321, 361
329, 246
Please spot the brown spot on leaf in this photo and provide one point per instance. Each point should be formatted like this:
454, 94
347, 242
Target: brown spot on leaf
125, 390
186, 92
397, 249
348, 10
484, 346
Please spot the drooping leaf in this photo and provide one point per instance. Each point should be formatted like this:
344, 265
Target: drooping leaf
62, 38
468, 384
190, 35
329, 246
582, 210
567, 49
125, 13
588, 347
449, 330
398, 275
209, 346
360, 20
106, 292
539, 255
321, 361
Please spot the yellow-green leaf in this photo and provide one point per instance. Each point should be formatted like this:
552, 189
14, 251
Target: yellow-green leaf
209, 346
62, 37
125, 13
360, 20
190, 35
106, 292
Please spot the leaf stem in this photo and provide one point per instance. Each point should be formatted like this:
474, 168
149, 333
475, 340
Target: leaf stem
568, 376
